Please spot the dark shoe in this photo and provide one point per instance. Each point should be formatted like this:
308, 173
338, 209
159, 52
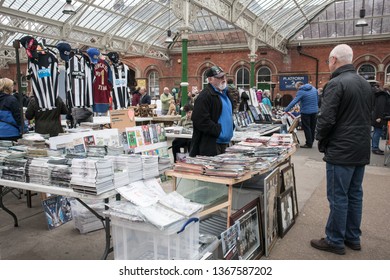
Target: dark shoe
306, 146
378, 152
322, 244
353, 246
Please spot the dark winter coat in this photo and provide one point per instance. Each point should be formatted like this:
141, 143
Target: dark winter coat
344, 123
381, 108
10, 117
205, 116
46, 121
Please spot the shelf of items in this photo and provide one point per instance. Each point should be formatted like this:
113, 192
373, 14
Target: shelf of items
229, 182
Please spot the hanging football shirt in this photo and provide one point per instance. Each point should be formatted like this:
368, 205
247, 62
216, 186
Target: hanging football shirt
101, 86
79, 81
120, 81
43, 72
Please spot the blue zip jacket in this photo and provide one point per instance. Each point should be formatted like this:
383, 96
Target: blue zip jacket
307, 95
10, 119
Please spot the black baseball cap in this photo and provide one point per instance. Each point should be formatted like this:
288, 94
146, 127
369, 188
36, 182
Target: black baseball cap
113, 56
64, 50
215, 71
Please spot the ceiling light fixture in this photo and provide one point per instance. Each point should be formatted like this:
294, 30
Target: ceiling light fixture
169, 39
362, 21
68, 8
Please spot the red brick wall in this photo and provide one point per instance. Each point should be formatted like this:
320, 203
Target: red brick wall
377, 54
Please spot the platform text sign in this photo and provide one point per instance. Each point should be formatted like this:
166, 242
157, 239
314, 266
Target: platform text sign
288, 82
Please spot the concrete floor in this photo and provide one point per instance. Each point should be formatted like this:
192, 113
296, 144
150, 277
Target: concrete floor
33, 241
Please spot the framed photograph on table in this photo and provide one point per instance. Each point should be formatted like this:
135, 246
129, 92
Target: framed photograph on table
271, 188
250, 240
286, 217
288, 179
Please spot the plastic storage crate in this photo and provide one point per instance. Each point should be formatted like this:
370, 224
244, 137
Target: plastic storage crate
143, 241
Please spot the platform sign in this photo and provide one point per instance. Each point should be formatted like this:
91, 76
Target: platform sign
288, 82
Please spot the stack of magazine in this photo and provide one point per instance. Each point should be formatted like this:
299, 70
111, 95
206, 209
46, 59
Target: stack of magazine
92, 176
151, 204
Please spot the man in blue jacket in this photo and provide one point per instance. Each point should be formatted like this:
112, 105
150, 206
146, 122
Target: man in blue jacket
308, 97
212, 116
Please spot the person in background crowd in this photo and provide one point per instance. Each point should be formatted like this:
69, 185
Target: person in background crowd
212, 116
259, 95
380, 111
48, 121
187, 124
266, 99
343, 134
136, 96
173, 92
278, 101
10, 117
320, 90
308, 97
145, 97
233, 91
244, 106
165, 98
25, 98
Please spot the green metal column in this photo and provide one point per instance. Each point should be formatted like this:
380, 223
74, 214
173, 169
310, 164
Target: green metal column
184, 72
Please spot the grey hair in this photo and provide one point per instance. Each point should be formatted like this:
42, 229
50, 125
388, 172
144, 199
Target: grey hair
343, 53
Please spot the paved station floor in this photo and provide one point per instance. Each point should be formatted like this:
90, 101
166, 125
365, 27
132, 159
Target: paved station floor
33, 241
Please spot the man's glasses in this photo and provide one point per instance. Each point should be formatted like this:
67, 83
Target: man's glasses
330, 57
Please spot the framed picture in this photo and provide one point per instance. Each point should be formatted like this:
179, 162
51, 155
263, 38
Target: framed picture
229, 241
285, 212
271, 187
288, 179
250, 240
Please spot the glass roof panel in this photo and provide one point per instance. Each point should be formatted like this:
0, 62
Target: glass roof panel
146, 21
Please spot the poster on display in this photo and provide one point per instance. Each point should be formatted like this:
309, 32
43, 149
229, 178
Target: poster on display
141, 82
288, 82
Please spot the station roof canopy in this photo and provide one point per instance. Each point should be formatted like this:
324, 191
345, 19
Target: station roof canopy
139, 27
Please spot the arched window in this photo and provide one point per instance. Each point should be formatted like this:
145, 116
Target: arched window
387, 75
367, 71
242, 78
263, 78
204, 79
153, 84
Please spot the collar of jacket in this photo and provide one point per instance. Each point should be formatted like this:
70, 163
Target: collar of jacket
342, 69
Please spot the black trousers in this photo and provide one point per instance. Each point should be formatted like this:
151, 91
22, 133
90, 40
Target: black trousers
309, 122
178, 143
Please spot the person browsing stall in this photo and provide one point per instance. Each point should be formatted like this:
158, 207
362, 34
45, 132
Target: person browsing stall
212, 116
307, 96
145, 97
343, 134
10, 117
186, 123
